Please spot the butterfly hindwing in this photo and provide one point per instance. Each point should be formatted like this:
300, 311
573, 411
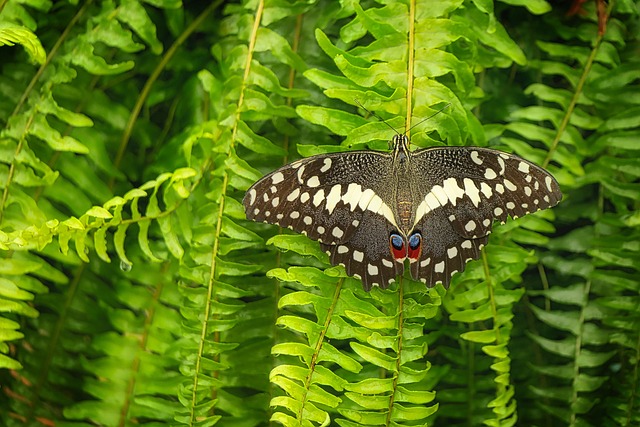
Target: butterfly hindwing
444, 251
366, 255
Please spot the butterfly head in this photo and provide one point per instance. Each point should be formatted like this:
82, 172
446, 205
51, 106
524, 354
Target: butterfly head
400, 146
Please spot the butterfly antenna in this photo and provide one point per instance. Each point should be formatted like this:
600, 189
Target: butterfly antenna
376, 116
424, 120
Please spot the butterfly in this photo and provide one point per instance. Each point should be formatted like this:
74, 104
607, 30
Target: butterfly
373, 210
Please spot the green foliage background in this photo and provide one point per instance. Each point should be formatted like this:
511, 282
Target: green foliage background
134, 292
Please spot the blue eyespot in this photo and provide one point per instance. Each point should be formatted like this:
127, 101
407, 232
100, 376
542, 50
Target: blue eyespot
414, 240
397, 242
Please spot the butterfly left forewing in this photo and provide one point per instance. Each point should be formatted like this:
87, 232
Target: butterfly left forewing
322, 196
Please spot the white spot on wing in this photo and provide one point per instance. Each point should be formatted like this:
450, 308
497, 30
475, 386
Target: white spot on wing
275, 202
425, 262
277, 178
498, 211
326, 165
372, 269
295, 215
476, 158
523, 167
486, 190
318, 197
490, 174
352, 196
293, 195
375, 204
548, 181
471, 190
439, 267
501, 163
342, 249
452, 252
333, 197
365, 198
429, 204
358, 256
453, 190
307, 220
300, 173
320, 229
470, 226
337, 232
313, 182
387, 263
510, 185
466, 244
304, 197
440, 194
252, 196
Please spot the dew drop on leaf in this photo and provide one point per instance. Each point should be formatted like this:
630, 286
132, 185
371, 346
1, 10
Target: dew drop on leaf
125, 266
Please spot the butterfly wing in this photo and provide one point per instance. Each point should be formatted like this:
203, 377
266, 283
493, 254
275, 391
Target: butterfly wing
344, 201
444, 251
367, 255
466, 190
323, 196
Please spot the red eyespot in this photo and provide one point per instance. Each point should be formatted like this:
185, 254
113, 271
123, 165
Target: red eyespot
415, 246
396, 244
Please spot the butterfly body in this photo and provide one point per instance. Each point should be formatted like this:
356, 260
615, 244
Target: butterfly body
372, 210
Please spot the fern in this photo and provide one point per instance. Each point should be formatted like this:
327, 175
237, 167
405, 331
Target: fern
133, 290
576, 329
